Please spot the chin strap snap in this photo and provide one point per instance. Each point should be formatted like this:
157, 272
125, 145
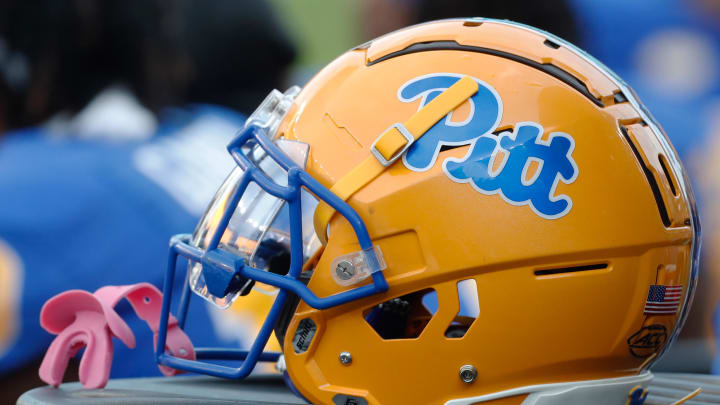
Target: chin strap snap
80, 319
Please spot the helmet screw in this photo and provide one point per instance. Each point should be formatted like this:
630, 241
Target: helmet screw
345, 358
468, 374
345, 270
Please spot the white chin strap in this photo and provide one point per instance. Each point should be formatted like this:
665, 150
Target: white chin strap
610, 391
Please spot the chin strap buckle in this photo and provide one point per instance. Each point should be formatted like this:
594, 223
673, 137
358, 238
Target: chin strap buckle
80, 319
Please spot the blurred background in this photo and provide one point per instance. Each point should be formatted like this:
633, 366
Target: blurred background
114, 117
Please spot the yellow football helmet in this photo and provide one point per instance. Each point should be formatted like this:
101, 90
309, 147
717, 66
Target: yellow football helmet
463, 211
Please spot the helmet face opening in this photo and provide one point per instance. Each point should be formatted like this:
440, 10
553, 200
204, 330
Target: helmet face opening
259, 228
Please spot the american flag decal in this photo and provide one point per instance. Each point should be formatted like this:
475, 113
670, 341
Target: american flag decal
663, 300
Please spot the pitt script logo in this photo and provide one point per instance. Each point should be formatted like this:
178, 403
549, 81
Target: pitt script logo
519, 148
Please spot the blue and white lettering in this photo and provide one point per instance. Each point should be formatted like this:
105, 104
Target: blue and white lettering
520, 148
485, 113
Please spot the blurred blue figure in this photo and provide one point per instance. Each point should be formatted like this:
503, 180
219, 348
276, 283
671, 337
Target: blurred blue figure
73, 198
92, 160
669, 52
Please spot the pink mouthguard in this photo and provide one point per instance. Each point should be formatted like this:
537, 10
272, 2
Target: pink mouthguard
79, 319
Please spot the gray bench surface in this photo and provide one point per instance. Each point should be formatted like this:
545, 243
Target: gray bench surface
263, 389
270, 389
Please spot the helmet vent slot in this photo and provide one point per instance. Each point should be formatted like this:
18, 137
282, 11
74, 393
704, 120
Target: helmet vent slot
500, 129
619, 97
551, 44
650, 178
403, 317
444, 148
468, 311
572, 269
668, 174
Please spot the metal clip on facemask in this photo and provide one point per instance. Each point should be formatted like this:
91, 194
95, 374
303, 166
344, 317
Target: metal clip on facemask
221, 278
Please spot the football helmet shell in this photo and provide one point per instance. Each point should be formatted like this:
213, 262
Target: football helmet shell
550, 190
560, 299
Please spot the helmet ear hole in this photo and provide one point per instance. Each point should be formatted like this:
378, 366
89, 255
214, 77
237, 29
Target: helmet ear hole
403, 317
456, 331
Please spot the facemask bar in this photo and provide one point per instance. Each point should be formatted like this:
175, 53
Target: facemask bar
218, 263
